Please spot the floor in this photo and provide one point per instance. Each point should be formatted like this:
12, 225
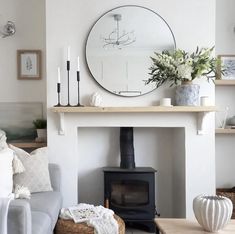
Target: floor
135, 231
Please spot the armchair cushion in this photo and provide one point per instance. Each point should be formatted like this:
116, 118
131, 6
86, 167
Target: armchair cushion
51, 201
40, 223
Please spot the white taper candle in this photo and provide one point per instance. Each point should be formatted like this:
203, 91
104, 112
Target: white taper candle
68, 54
58, 75
78, 65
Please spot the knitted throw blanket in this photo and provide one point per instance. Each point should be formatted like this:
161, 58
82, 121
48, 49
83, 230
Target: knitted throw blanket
98, 217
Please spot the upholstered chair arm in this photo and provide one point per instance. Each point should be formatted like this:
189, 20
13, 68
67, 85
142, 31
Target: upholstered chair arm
55, 176
19, 217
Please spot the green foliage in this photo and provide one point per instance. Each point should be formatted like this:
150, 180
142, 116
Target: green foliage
179, 65
40, 123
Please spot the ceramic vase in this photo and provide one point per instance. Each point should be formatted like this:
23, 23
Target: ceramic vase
187, 94
95, 99
212, 212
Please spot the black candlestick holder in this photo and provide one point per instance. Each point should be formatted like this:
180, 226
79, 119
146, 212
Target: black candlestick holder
68, 73
58, 95
78, 80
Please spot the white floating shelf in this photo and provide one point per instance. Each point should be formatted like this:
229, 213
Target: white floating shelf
200, 110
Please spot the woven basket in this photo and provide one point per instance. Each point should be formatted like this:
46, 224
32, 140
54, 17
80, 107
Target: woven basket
229, 193
64, 226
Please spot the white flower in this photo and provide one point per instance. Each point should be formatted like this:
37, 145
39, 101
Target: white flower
189, 61
180, 60
184, 71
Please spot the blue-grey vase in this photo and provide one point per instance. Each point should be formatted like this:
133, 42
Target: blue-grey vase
187, 95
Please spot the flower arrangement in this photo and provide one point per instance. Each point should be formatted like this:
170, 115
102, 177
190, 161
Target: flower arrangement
180, 66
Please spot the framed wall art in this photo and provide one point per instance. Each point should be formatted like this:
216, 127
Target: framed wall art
16, 119
29, 64
227, 64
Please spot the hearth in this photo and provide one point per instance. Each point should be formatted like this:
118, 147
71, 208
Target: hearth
130, 193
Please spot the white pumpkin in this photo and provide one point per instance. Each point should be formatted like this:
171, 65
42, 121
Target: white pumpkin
212, 212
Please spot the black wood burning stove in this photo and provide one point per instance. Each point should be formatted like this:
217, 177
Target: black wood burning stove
130, 193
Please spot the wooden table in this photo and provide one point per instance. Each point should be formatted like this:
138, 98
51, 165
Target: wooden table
183, 226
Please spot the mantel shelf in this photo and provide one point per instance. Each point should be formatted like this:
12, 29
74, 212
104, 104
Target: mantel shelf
134, 109
201, 112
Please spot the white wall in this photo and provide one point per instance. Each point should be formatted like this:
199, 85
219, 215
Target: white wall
29, 18
68, 24
225, 95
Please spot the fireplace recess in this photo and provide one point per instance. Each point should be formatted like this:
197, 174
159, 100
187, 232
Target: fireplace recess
130, 193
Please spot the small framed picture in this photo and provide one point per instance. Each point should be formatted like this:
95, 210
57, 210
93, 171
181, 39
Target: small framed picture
227, 64
29, 64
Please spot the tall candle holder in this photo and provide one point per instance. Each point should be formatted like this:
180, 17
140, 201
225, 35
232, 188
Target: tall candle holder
58, 95
68, 72
78, 80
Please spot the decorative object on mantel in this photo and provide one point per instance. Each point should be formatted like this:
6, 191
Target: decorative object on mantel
40, 125
68, 72
68, 81
78, 81
165, 102
212, 212
187, 94
95, 99
58, 88
181, 68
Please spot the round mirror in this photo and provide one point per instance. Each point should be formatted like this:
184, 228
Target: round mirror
119, 46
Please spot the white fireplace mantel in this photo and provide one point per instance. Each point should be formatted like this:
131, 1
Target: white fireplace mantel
200, 111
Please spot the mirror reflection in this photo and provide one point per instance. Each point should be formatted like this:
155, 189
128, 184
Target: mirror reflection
119, 47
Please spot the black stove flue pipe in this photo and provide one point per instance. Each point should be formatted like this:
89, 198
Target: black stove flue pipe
127, 148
